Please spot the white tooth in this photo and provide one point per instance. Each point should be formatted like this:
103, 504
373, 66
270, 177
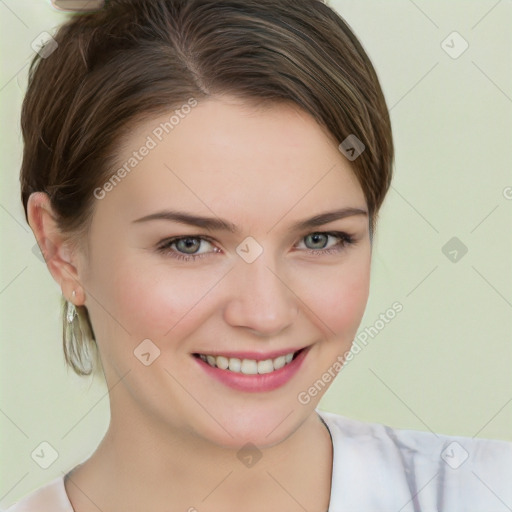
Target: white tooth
222, 362
279, 362
249, 367
234, 364
265, 366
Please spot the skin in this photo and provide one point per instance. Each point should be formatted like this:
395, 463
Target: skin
175, 432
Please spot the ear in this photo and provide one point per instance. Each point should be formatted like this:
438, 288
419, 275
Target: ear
56, 248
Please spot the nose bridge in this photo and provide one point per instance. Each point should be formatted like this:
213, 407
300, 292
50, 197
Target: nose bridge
260, 299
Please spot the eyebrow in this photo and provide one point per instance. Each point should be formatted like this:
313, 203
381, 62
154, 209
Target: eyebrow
217, 224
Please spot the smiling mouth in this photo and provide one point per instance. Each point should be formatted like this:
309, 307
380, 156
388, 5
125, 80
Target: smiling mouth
248, 366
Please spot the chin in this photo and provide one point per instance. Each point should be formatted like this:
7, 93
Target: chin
263, 424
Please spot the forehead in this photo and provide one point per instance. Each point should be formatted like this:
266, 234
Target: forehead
224, 153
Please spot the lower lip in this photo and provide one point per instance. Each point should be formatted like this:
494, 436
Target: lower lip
255, 383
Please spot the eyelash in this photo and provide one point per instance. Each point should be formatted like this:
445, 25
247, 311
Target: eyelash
345, 241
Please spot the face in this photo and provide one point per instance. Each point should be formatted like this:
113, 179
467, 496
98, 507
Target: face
263, 288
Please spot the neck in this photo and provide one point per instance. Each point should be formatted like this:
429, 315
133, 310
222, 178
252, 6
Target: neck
143, 464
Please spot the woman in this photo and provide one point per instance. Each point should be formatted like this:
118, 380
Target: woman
204, 179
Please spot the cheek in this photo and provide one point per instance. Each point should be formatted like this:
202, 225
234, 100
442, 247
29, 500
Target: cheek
338, 296
159, 301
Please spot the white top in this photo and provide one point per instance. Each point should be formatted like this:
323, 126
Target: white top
381, 469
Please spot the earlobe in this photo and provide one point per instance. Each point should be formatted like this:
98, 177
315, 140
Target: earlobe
54, 246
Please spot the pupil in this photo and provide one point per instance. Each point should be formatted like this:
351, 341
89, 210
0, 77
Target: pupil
189, 243
316, 236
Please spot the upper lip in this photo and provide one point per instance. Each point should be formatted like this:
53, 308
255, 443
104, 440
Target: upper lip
258, 356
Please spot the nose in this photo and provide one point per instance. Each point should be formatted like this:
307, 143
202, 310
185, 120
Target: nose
261, 300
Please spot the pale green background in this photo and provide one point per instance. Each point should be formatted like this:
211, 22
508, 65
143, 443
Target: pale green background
443, 363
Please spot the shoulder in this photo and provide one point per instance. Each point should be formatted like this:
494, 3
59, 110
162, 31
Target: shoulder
408, 468
50, 497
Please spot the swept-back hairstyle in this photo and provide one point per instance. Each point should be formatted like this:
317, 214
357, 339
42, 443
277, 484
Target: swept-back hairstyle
137, 59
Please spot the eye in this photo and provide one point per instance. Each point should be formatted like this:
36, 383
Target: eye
188, 244
321, 238
185, 247
318, 240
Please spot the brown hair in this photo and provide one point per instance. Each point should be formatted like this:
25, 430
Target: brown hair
136, 59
